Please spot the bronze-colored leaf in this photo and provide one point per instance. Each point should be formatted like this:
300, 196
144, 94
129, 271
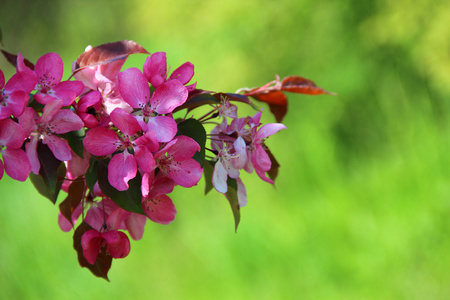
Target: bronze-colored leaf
300, 85
74, 197
12, 59
277, 101
107, 53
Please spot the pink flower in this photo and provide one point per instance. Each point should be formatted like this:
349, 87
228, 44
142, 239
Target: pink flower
116, 243
175, 160
54, 121
49, 71
14, 95
156, 204
135, 91
15, 161
135, 151
90, 109
133, 222
155, 69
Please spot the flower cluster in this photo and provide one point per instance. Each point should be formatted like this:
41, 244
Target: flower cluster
111, 140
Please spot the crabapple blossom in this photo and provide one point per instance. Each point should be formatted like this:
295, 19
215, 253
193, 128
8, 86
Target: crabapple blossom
49, 71
116, 243
15, 161
155, 69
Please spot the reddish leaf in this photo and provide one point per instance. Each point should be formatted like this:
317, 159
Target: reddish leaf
273, 172
300, 85
12, 59
277, 101
103, 263
108, 53
74, 197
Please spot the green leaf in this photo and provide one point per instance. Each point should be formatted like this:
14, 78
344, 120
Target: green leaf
195, 130
103, 263
208, 168
91, 173
51, 174
1, 37
75, 139
232, 198
74, 197
130, 200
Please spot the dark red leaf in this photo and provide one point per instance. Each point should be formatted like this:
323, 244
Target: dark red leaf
273, 172
12, 59
74, 197
108, 53
103, 263
277, 101
300, 85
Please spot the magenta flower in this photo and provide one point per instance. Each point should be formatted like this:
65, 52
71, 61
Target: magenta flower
15, 161
135, 91
116, 243
14, 95
132, 222
49, 71
90, 109
176, 162
54, 121
156, 204
155, 69
135, 151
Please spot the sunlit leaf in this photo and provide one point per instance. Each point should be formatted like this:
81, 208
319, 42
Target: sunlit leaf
103, 263
277, 102
107, 53
130, 200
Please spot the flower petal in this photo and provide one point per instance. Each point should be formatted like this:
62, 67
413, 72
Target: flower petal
155, 69
169, 96
17, 165
118, 244
91, 242
12, 134
49, 69
164, 127
133, 87
124, 121
183, 73
159, 209
121, 169
219, 178
100, 141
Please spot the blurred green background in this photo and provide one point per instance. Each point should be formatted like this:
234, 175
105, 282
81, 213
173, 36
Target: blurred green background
361, 207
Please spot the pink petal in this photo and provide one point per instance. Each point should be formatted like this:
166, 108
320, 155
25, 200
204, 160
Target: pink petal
161, 185
155, 69
91, 242
268, 130
21, 81
144, 159
5, 111
27, 120
17, 101
159, 209
12, 134
101, 141
133, 87
186, 173
164, 127
125, 122
50, 110
219, 178
121, 169
183, 147
169, 96
116, 219
135, 224
183, 73
65, 121
31, 150
242, 193
17, 165
118, 244
147, 181
148, 140
49, 69
59, 147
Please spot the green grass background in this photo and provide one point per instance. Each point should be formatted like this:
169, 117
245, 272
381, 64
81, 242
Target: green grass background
361, 207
